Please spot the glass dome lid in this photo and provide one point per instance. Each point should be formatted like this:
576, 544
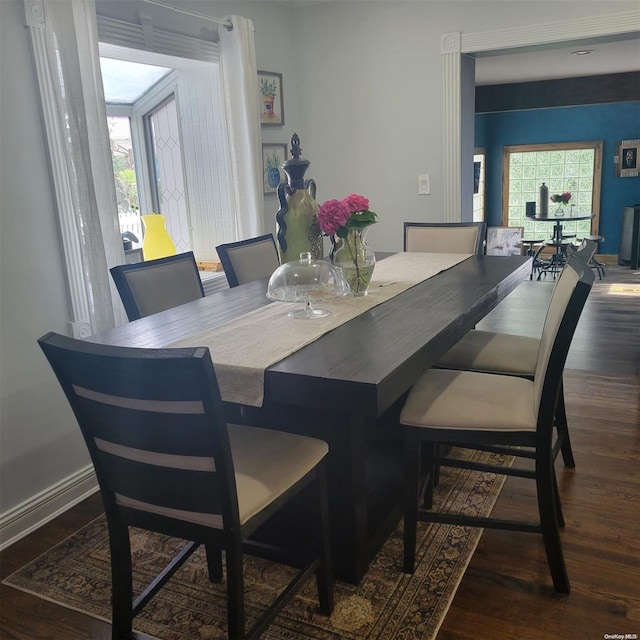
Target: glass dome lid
307, 281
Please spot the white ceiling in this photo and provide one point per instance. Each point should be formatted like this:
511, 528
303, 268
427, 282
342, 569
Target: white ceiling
605, 57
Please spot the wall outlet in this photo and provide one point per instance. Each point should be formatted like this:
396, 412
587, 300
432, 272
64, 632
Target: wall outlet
424, 184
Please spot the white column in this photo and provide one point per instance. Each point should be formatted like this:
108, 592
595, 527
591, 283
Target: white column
80, 316
451, 120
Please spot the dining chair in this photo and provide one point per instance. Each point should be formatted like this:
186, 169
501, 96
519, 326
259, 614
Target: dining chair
504, 241
248, 260
512, 355
486, 411
445, 237
155, 285
167, 462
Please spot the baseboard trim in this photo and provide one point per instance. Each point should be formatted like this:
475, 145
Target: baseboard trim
31, 514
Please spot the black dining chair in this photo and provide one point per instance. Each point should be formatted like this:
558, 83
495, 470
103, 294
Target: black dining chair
445, 237
485, 411
248, 260
155, 285
167, 461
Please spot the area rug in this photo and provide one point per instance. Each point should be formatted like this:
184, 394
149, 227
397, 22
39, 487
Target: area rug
386, 605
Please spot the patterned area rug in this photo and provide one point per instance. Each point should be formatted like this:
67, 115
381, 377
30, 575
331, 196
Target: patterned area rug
387, 604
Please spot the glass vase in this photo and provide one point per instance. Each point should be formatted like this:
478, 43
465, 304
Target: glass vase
559, 209
357, 261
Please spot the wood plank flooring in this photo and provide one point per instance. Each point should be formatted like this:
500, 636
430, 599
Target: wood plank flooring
506, 592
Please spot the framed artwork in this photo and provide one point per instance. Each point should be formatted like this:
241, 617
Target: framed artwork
273, 155
271, 102
504, 241
627, 159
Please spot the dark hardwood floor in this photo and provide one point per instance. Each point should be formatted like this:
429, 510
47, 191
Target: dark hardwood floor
506, 592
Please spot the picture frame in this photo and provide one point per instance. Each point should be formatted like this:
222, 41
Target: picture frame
273, 155
271, 100
504, 241
627, 159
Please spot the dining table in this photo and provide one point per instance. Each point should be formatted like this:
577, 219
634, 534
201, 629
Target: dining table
345, 387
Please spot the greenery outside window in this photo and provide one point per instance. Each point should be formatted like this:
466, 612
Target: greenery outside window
568, 166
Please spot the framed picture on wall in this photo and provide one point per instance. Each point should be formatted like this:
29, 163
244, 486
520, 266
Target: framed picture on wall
273, 155
627, 160
271, 102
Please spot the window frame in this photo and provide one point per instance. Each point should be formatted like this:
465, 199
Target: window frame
596, 145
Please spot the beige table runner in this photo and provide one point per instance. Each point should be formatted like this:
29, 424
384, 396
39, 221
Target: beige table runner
245, 347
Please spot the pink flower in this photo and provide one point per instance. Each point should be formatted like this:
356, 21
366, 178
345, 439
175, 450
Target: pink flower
356, 202
332, 215
566, 196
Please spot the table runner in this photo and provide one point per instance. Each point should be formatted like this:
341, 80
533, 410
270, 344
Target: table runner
245, 347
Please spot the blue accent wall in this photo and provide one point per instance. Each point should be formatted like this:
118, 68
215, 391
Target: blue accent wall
608, 122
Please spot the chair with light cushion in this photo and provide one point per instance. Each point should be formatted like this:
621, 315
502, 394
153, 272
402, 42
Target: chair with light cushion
249, 259
156, 285
512, 355
475, 410
166, 461
445, 237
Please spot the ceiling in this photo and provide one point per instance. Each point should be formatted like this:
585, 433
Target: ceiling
545, 64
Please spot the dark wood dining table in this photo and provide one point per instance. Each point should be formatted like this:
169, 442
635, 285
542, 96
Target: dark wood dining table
347, 386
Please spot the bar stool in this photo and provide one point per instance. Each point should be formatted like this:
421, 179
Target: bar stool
529, 245
594, 263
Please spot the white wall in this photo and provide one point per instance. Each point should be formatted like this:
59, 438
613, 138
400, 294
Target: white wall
362, 86
370, 86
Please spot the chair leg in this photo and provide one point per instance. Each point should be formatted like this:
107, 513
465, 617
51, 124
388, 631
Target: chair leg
545, 483
412, 455
563, 430
324, 577
235, 591
556, 500
214, 562
121, 581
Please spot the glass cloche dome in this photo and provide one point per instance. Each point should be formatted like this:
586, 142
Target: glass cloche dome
308, 281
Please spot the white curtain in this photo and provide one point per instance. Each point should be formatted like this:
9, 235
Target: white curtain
65, 41
240, 83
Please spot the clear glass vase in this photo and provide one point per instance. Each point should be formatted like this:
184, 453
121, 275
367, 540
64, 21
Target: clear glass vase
357, 261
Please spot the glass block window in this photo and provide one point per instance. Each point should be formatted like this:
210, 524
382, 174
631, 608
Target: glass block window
573, 167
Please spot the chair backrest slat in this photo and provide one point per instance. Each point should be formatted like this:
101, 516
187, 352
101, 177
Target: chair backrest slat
248, 260
156, 285
444, 237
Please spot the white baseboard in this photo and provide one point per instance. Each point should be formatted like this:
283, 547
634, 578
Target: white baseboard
46, 505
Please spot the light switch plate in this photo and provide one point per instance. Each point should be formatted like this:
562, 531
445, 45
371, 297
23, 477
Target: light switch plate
424, 184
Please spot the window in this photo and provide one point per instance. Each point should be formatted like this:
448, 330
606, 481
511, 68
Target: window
177, 146
568, 166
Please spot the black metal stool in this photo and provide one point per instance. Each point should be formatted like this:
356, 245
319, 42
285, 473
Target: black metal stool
594, 263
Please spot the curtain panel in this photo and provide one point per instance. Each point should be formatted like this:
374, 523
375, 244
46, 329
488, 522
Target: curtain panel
240, 85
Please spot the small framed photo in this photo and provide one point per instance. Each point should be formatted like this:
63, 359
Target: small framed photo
273, 155
271, 101
627, 160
